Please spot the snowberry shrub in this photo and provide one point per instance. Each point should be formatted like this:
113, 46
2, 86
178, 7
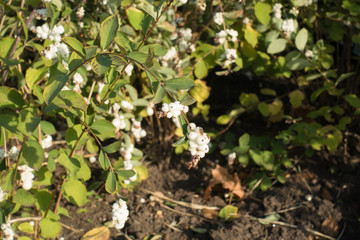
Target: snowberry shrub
77, 82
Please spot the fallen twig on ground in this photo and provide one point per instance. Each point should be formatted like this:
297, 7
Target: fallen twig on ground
280, 223
184, 204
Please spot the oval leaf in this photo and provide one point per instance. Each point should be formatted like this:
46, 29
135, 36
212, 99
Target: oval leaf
108, 30
277, 46
301, 39
179, 83
75, 45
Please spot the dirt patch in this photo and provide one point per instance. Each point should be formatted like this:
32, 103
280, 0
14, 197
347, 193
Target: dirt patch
311, 202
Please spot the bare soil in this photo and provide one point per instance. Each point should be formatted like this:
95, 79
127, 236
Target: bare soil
311, 202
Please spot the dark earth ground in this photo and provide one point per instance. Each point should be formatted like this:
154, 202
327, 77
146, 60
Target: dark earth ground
321, 194
333, 209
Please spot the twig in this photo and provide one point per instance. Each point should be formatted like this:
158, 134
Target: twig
70, 228
188, 214
280, 223
25, 219
173, 228
184, 204
285, 210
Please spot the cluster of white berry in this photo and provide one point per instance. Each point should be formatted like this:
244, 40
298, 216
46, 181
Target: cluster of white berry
309, 54
8, 232
229, 57
2, 195
129, 69
184, 41
228, 34
127, 105
136, 130
120, 214
80, 12
201, 5
46, 142
78, 80
170, 58
288, 26
44, 32
13, 153
26, 176
119, 122
219, 18
41, 14
150, 108
277, 10
198, 143
126, 153
173, 110
129, 166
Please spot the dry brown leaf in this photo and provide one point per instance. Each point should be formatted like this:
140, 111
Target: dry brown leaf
330, 226
228, 181
99, 233
325, 194
210, 214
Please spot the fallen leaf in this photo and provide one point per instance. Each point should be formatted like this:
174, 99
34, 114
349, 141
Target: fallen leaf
325, 194
330, 226
228, 181
99, 233
210, 214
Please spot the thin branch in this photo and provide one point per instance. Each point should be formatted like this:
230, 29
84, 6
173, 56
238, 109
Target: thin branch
184, 204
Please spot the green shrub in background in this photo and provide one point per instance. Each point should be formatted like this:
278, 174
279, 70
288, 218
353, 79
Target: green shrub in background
79, 77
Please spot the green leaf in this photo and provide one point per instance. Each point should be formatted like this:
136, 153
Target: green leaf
73, 134
179, 142
113, 147
148, 8
101, 63
68, 99
223, 119
263, 109
268, 159
256, 157
228, 213
110, 184
179, 83
9, 120
296, 98
251, 36
353, 100
32, 154
49, 228
104, 163
301, 39
159, 94
135, 17
47, 128
243, 159
125, 173
28, 122
10, 97
201, 69
23, 197
26, 227
108, 30
268, 91
343, 77
187, 100
277, 46
157, 49
58, 79
33, 75
71, 164
262, 12
75, 192
75, 45
103, 129
295, 61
